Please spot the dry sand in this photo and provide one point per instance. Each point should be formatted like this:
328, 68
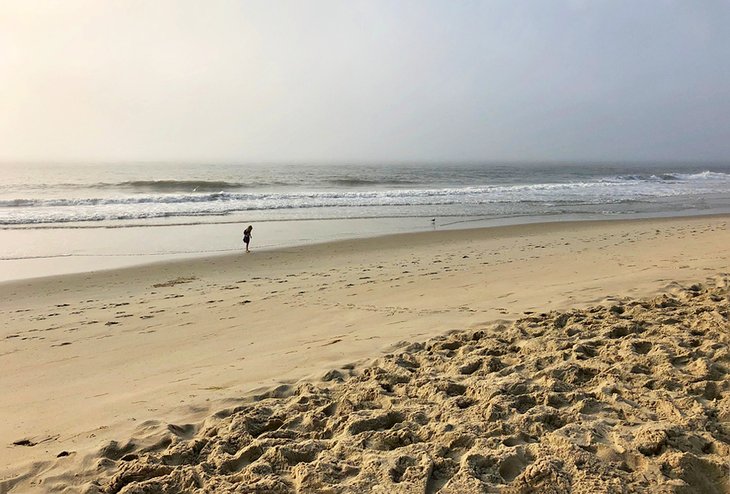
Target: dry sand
154, 377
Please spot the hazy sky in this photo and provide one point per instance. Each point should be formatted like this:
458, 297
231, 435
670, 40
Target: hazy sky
248, 81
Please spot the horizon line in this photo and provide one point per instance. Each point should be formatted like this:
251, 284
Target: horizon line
446, 162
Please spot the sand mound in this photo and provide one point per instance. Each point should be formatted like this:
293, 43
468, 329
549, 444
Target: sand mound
626, 397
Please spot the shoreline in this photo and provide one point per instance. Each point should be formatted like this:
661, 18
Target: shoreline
83, 264
39, 253
92, 357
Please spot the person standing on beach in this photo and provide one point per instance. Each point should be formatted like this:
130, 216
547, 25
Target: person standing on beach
247, 236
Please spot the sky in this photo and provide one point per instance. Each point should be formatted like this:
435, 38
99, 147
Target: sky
364, 81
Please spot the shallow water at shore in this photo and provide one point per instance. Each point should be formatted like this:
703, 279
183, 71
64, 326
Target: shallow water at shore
32, 253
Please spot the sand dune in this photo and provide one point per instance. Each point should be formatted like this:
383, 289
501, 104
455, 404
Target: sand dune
185, 376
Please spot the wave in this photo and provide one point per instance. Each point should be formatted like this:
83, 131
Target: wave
180, 185
157, 185
610, 188
673, 176
705, 175
323, 182
162, 203
493, 192
191, 186
222, 185
648, 178
357, 182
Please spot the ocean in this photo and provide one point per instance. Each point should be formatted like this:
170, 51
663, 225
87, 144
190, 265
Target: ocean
121, 214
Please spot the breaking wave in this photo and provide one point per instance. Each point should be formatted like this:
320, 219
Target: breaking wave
167, 198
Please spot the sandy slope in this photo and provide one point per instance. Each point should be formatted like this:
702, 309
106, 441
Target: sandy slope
632, 397
88, 359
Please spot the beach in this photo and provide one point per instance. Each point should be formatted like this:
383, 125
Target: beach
126, 370
382, 247
62, 219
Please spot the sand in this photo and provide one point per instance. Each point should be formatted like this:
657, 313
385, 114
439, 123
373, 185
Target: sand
256, 371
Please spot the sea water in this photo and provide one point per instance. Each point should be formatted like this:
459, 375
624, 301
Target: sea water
87, 216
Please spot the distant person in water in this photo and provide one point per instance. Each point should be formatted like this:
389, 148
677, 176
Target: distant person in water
247, 236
